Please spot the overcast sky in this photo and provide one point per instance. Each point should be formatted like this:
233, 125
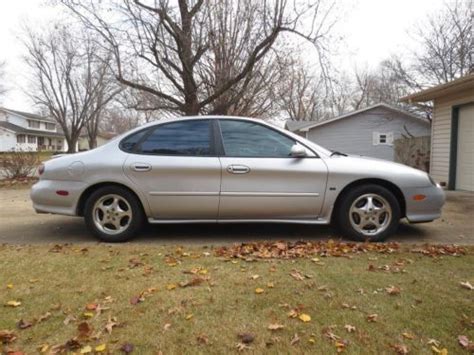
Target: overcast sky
373, 30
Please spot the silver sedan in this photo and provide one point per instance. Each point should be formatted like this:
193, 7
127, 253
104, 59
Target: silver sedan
231, 169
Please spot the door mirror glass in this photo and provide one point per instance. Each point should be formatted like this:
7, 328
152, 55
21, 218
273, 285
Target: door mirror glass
298, 151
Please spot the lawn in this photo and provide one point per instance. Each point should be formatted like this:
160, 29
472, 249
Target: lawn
302, 298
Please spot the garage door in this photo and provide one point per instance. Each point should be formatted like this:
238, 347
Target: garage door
465, 151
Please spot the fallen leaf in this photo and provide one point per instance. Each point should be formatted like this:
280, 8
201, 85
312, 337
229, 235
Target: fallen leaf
88, 314
91, 306
7, 337
100, 348
254, 277
188, 317
195, 281
295, 339
466, 343
270, 285
111, 323
24, 324
13, 304
443, 351
84, 329
400, 349
43, 348
372, 317
86, 349
70, 318
259, 290
297, 275
242, 346
170, 287
246, 338
127, 348
349, 328
304, 317
393, 290
275, 326
433, 342
166, 326
202, 339
136, 300
467, 285
408, 335
44, 317
10, 286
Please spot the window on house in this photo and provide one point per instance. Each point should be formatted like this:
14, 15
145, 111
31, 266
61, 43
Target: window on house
31, 139
50, 126
385, 138
33, 124
20, 138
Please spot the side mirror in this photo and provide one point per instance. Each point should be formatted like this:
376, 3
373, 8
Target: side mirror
298, 151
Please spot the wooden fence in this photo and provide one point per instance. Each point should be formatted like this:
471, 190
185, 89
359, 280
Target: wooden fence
414, 152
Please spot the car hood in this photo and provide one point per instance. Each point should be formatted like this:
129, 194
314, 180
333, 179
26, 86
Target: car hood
367, 167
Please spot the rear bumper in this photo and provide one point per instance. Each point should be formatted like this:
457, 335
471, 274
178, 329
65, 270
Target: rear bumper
46, 200
425, 210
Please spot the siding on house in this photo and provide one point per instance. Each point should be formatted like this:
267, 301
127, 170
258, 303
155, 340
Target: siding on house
441, 133
354, 135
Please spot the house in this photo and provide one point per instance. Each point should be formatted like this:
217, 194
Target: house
102, 138
29, 132
452, 132
370, 131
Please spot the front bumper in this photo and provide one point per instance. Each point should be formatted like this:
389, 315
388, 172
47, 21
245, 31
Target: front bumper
46, 200
427, 209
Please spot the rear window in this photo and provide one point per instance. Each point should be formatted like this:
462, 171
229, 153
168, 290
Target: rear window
129, 143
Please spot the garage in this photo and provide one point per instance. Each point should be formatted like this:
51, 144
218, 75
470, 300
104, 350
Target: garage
465, 149
452, 131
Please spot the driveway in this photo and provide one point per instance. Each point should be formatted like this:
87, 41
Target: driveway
19, 224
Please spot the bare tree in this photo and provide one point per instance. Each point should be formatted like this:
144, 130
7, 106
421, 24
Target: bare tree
301, 95
69, 80
198, 56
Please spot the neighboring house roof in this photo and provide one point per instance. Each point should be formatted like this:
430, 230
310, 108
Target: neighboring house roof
310, 125
28, 115
22, 130
465, 83
297, 125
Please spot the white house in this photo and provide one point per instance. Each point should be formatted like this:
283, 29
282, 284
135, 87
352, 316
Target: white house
370, 131
29, 132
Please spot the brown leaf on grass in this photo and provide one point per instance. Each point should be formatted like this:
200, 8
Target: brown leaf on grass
246, 338
136, 300
297, 275
167, 326
13, 304
372, 317
349, 328
400, 349
439, 250
242, 347
275, 326
91, 306
328, 333
111, 323
466, 343
393, 290
295, 339
135, 262
44, 317
467, 285
202, 339
127, 348
7, 336
69, 318
71, 345
340, 346
195, 281
22, 324
408, 335
84, 329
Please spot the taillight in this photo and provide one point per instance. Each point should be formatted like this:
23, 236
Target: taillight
41, 169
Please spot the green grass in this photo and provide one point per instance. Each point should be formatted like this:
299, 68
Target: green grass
431, 304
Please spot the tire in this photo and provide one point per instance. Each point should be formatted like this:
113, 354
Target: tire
113, 214
361, 220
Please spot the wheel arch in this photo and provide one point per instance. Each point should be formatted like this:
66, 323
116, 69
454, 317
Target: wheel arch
91, 189
374, 181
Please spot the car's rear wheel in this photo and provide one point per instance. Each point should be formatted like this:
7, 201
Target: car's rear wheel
368, 213
113, 214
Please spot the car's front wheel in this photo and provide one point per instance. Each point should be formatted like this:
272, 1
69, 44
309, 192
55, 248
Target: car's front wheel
369, 213
113, 214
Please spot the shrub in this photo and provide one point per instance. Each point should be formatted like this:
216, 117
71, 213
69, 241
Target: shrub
18, 164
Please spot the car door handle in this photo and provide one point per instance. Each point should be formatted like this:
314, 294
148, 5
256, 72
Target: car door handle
141, 167
238, 169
